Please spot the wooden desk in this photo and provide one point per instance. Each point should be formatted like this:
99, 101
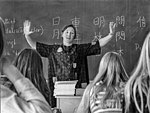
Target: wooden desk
68, 104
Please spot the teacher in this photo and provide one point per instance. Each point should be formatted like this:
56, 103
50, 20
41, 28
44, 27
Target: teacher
68, 61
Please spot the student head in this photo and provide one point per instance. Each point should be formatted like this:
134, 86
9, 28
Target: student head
111, 70
29, 63
139, 81
3, 80
110, 75
68, 34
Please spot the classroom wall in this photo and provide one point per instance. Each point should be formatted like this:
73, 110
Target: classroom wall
90, 17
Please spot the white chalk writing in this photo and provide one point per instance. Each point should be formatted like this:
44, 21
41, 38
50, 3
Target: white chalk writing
11, 43
120, 20
56, 20
99, 21
76, 22
137, 47
120, 51
120, 35
55, 34
141, 21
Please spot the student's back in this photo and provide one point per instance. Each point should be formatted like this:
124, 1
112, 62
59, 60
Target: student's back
111, 103
29, 62
105, 93
27, 99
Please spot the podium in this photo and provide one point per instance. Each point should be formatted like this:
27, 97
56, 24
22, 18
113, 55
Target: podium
68, 104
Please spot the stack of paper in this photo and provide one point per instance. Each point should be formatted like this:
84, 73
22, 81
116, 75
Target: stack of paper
65, 88
80, 91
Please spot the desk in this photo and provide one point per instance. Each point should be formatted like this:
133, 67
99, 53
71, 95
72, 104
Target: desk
68, 104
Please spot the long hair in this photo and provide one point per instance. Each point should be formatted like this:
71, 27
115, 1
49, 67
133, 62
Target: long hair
139, 81
111, 73
30, 64
2, 33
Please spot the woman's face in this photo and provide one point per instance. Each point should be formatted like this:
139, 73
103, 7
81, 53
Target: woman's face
68, 35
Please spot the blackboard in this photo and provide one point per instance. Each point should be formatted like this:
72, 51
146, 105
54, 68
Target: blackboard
90, 17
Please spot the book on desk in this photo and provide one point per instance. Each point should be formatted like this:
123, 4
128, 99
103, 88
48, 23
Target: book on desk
64, 88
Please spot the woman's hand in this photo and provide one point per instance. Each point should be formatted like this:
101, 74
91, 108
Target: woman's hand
112, 26
26, 28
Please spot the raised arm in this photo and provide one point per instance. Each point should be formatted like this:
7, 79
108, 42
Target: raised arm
27, 100
105, 40
27, 33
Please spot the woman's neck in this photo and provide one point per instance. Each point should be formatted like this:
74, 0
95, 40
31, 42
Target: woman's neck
67, 44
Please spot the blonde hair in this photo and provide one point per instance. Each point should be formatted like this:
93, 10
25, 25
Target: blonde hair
140, 79
111, 73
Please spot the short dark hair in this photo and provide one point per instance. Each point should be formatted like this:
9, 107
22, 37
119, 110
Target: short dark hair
2, 32
70, 25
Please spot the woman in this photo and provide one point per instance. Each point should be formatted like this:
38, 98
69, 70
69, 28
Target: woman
30, 64
27, 99
68, 61
137, 89
104, 94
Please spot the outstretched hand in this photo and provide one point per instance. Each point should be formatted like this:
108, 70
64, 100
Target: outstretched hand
26, 27
112, 26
